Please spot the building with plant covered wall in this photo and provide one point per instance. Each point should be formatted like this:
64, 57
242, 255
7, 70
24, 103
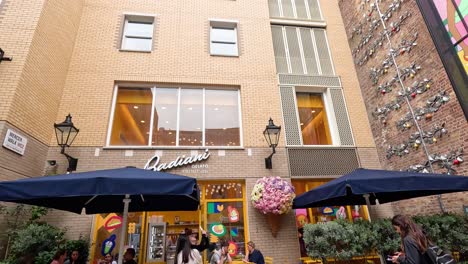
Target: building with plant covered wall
411, 61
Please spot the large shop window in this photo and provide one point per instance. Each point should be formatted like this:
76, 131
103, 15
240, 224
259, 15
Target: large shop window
154, 234
182, 117
300, 50
138, 33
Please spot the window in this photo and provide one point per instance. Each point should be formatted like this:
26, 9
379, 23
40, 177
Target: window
223, 38
313, 119
175, 117
295, 9
138, 33
300, 50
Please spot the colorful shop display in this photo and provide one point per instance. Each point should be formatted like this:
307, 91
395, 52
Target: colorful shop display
154, 234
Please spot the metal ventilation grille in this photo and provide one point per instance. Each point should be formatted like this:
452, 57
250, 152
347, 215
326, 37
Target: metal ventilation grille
344, 127
294, 51
314, 9
309, 53
287, 8
280, 52
291, 126
322, 161
322, 81
301, 9
274, 8
323, 54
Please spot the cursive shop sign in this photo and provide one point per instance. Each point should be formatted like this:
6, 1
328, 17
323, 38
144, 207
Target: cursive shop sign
15, 142
153, 163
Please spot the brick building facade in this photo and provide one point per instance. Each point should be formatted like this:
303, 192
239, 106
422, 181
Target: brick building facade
69, 57
384, 127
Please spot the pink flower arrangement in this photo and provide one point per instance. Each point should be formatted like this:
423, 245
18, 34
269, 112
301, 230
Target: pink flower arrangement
273, 195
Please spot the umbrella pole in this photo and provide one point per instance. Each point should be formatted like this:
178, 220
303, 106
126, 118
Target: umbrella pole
126, 202
366, 196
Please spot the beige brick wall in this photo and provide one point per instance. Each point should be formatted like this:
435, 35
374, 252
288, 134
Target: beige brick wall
180, 55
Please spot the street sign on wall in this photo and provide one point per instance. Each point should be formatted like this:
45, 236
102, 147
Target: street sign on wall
15, 142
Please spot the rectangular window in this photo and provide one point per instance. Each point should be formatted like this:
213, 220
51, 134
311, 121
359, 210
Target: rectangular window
295, 9
301, 50
223, 38
313, 119
176, 117
138, 33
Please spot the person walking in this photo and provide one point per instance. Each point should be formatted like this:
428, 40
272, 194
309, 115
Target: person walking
253, 255
59, 257
185, 253
413, 242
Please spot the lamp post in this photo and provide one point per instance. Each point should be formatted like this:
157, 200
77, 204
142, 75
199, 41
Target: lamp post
271, 134
65, 133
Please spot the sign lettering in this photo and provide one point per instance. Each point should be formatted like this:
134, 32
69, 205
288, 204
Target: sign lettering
153, 163
15, 142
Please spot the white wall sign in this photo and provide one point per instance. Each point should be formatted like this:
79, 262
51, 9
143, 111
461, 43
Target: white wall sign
153, 163
15, 142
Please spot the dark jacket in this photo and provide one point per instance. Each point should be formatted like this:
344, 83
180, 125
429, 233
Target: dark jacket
203, 244
412, 253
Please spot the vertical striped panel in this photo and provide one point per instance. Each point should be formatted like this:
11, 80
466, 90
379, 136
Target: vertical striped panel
301, 9
309, 52
314, 10
294, 52
291, 126
274, 8
280, 52
341, 115
323, 54
287, 8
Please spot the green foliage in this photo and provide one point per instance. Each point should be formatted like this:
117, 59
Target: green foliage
34, 239
331, 240
447, 231
386, 239
343, 240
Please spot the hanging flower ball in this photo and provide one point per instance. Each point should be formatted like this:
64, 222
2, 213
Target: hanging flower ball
273, 195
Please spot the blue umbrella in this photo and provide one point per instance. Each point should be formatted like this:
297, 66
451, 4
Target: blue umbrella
105, 191
363, 186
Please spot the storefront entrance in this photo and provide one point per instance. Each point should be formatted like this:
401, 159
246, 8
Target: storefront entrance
153, 235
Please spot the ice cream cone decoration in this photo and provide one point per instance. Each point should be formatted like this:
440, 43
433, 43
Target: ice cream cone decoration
274, 220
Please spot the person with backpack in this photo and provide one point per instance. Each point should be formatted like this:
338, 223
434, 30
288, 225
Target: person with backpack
414, 243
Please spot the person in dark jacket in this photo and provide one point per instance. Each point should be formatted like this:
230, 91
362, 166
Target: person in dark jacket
253, 255
413, 242
204, 242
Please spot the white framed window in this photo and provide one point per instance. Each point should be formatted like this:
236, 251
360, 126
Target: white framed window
316, 117
138, 33
175, 117
223, 38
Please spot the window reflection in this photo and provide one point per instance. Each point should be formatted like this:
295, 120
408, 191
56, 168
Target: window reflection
201, 117
313, 119
191, 117
222, 118
165, 117
132, 117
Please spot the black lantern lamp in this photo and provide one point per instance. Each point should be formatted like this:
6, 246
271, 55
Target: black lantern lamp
3, 58
65, 133
271, 134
